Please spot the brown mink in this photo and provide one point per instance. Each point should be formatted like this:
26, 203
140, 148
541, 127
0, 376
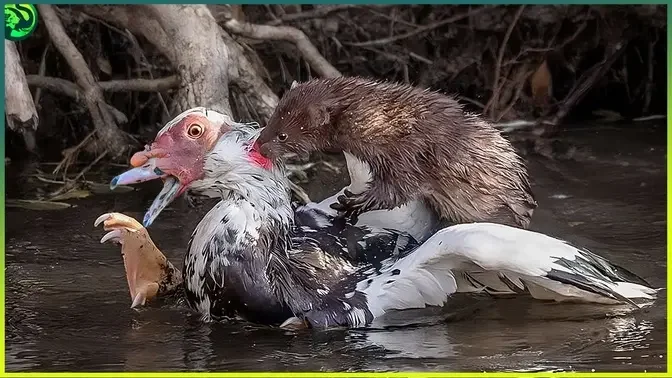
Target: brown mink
419, 144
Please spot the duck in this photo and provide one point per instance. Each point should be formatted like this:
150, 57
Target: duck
253, 256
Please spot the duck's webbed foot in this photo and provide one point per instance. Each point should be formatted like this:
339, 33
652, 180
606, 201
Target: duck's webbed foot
148, 272
294, 324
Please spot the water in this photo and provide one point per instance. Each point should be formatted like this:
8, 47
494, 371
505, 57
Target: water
68, 303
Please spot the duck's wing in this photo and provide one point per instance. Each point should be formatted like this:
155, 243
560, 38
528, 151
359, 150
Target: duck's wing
359, 244
524, 261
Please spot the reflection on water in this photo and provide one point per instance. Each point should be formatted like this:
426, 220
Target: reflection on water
68, 304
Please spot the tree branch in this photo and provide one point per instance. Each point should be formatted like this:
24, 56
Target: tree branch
103, 120
141, 85
70, 89
131, 85
586, 81
495, 93
289, 34
56, 84
196, 59
320, 12
420, 29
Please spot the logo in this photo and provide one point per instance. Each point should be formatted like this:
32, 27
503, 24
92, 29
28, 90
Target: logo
20, 21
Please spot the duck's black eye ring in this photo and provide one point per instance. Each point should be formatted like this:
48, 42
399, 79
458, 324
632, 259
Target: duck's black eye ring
282, 137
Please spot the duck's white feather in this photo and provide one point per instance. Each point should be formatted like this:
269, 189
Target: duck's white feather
501, 257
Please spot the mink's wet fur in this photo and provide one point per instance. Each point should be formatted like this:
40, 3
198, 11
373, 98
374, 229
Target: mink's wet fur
418, 143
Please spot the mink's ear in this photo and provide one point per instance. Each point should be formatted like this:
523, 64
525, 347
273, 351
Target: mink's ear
294, 84
319, 114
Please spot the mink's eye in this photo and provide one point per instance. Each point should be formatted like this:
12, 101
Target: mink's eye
282, 137
195, 130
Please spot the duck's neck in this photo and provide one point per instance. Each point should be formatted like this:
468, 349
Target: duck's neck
259, 196
236, 239
239, 234
254, 212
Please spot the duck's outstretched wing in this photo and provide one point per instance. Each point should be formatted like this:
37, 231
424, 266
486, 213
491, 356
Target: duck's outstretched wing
522, 260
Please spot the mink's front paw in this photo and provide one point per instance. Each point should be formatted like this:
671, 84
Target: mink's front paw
350, 205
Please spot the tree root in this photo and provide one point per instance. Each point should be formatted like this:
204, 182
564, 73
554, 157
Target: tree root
104, 121
420, 29
205, 56
70, 155
72, 90
197, 49
289, 34
648, 88
319, 12
585, 83
509, 63
493, 104
19, 106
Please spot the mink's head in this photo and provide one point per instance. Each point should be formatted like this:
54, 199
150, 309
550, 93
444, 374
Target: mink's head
299, 124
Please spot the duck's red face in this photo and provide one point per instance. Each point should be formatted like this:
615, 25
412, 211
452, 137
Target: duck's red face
180, 150
177, 155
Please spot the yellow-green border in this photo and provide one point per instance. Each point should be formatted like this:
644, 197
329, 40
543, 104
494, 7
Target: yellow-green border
334, 375
325, 375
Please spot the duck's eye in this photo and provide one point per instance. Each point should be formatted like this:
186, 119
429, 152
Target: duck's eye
195, 130
282, 137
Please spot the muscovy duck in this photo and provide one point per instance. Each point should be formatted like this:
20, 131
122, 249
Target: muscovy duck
246, 257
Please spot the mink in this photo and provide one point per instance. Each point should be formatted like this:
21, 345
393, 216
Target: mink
418, 143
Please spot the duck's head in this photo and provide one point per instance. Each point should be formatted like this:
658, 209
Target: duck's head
187, 154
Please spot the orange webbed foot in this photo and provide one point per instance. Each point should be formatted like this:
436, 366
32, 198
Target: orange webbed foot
148, 272
294, 324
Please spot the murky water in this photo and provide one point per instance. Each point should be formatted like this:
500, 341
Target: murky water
68, 303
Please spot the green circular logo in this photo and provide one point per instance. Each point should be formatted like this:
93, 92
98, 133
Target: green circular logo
20, 21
